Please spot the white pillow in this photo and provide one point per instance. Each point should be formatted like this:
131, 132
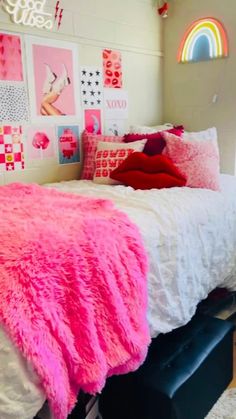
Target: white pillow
142, 129
206, 135
109, 156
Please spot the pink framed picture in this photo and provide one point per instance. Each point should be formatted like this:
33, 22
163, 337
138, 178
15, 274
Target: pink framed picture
41, 141
93, 121
53, 79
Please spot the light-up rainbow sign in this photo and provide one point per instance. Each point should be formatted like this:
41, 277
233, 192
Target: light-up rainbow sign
205, 39
29, 13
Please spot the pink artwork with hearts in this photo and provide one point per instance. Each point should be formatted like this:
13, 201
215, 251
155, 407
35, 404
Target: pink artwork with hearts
112, 69
10, 58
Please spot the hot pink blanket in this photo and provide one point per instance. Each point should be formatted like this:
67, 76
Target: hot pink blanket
73, 296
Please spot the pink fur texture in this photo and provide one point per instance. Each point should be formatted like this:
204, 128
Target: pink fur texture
73, 289
197, 160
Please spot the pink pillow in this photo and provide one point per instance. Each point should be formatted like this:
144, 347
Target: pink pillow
155, 142
196, 160
90, 142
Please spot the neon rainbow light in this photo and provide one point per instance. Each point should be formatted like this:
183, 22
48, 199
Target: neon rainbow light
211, 32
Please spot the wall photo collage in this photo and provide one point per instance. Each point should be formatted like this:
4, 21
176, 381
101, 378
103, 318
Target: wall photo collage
47, 100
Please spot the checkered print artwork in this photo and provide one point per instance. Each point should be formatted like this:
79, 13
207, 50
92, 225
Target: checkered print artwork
11, 148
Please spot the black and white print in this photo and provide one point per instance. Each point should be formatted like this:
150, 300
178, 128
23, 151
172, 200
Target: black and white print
14, 104
91, 87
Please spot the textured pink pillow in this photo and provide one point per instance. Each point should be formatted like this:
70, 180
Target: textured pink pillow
196, 160
90, 142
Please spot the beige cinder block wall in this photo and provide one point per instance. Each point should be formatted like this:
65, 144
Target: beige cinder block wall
134, 28
189, 88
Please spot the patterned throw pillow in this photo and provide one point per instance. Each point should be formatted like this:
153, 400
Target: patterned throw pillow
198, 161
109, 156
89, 143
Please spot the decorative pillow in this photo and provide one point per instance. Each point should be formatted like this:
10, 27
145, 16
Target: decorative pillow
208, 134
90, 142
155, 142
142, 129
197, 160
109, 156
147, 172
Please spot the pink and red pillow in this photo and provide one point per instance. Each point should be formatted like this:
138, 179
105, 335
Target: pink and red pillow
155, 142
90, 142
197, 160
147, 172
109, 156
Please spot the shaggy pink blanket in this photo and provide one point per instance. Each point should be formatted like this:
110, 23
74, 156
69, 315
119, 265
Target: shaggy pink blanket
73, 296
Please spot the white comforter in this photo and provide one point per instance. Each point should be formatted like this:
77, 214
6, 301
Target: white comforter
190, 237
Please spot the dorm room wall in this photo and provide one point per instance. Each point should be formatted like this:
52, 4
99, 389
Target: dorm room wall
132, 27
189, 89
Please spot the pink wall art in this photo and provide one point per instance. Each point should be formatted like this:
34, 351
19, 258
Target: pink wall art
41, 142
68, 144
11, 68
53, 79
11, 148
112, 69
92, 121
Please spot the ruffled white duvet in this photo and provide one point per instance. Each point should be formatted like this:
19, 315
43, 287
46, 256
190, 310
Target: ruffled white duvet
190, 237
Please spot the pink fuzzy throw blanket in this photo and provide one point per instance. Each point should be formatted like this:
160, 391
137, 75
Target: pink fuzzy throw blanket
73, 289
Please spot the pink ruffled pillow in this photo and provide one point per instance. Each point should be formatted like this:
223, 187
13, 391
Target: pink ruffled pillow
90, 142
196, 160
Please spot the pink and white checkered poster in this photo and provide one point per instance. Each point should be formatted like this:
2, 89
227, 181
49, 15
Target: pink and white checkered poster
11, 148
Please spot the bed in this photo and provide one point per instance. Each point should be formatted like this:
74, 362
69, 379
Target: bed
190, 238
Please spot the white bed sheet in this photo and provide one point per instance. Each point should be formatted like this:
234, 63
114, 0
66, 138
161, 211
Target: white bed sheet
190, 237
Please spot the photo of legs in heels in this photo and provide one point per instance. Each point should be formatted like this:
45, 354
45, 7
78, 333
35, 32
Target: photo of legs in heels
52, 89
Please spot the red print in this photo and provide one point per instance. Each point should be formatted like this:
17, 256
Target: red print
112, 72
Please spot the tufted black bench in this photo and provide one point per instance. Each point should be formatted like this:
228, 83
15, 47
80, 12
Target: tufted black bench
184, 374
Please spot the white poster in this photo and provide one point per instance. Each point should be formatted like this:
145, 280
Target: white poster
91, 87
115, 104
115, 127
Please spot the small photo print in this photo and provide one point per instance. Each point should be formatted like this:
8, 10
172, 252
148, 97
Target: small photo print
68, 144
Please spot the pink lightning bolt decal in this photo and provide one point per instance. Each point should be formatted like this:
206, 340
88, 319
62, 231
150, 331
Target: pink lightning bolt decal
56, 9
60, 18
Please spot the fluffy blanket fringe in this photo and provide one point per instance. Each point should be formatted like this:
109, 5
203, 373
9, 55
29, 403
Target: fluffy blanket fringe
73, 295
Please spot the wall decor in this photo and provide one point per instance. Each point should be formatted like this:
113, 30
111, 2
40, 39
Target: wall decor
29, 13
41, 142
53, 80
205, 39
91, 87
114, 127
112, 69
163, 8
14, 105
115, 104
58, 15
68, 144
11, 68
93, 121
11, 148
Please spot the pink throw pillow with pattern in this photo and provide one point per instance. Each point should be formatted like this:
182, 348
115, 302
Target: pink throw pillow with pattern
198, 161
89, 143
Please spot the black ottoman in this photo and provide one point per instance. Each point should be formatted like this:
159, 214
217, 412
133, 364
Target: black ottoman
184, 374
